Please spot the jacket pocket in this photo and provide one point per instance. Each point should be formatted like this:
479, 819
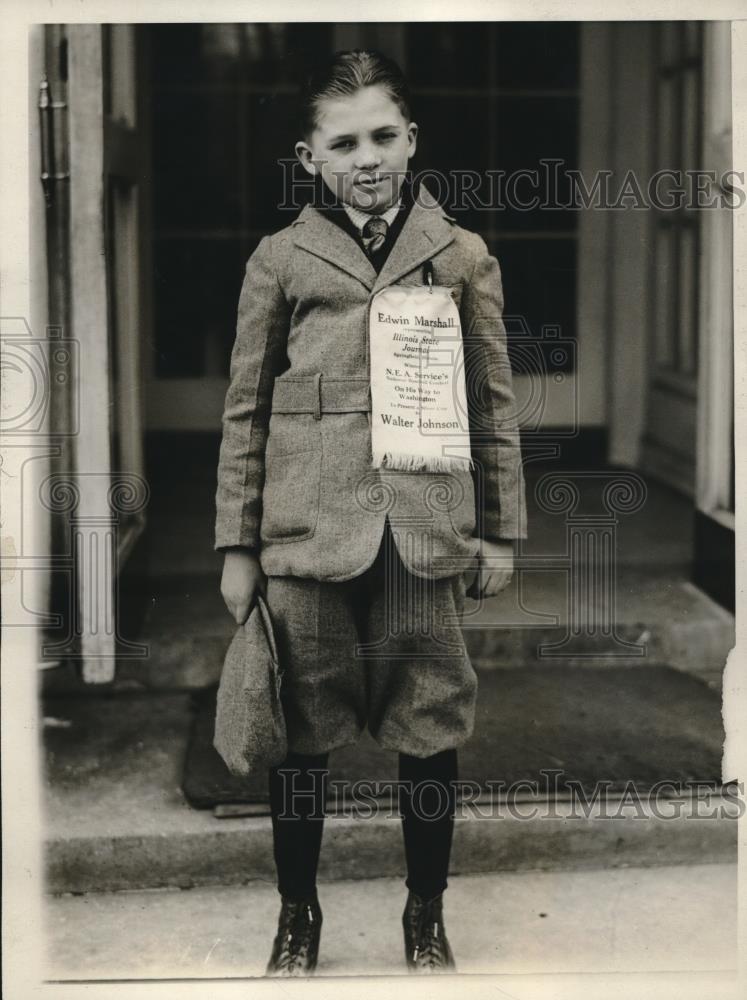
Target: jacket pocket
293, 478
290, 499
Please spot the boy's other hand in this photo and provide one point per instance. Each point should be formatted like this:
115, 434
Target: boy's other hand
495, 567
242, 576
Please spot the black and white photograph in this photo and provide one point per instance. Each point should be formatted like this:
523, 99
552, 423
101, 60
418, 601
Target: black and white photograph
369, 499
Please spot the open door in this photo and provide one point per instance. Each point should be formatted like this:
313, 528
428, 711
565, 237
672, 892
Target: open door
106, 309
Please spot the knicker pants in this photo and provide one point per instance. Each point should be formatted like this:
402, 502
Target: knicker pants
383, 649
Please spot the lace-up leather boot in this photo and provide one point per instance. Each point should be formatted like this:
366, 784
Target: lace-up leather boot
426, 945
296, 945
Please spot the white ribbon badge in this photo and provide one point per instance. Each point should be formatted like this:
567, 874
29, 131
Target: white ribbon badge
418, 397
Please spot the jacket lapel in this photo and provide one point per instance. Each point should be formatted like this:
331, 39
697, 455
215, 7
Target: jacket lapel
427, 230
324, 238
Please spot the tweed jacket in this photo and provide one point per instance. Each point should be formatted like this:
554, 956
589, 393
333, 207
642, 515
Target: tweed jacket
295, 476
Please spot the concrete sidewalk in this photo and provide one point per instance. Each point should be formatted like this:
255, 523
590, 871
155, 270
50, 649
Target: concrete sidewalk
679, 921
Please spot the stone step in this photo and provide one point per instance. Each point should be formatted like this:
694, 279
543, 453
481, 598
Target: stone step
117, 819
210, 851
658, 620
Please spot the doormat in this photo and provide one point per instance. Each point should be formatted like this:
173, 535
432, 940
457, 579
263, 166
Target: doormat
552, 725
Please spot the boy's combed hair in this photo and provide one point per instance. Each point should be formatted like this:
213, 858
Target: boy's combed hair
345, 74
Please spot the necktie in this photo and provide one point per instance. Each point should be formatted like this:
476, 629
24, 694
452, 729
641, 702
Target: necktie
374, 234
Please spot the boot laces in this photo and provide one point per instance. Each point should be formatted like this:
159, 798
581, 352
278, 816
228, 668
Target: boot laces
296, 937
430, 948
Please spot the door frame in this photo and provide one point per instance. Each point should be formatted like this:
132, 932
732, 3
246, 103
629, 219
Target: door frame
104, 289
716, 360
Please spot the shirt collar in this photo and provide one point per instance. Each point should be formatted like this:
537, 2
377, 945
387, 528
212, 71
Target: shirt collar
359, 218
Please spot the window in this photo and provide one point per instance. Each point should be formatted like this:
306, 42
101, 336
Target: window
678, 129
504, 97
498, 96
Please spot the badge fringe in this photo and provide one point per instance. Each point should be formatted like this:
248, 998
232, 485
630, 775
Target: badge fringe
421, 463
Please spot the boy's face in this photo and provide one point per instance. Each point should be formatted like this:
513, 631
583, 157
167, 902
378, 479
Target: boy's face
361, 147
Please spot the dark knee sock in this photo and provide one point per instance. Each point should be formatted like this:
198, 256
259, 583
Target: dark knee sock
428, 819
297, 799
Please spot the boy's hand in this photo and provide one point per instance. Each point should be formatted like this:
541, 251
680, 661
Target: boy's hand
495, 567
242, 575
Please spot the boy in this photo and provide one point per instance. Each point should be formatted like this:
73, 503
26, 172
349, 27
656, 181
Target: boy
356, 552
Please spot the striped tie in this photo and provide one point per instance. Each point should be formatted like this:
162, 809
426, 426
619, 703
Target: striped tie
374, 234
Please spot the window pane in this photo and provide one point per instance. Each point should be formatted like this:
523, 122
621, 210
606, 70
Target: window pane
177, 54
688, 319
465, 121
691, 111
195, 55
539, 281
693, 31
667, 131
535, 55
443, 55
280, 53
669, 42
528, 131
197, 294
271, 136
196, 161
663, 291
